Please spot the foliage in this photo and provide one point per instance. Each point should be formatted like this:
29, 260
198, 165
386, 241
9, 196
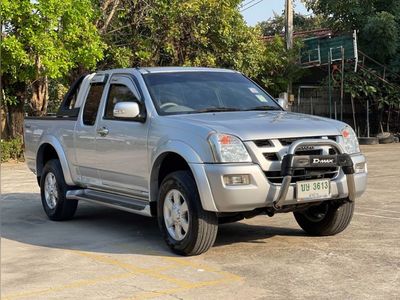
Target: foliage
12, 150
46, 39
279, 66
380, 35
57, 91
9, 98
186, 33
359, 86
276, 24
194, 33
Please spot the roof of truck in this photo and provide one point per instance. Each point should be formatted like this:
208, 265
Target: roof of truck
181, 69
146, 70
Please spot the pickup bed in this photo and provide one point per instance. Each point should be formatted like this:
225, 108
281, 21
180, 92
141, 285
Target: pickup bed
194, 147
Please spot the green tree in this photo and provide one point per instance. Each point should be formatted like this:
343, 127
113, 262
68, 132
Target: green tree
276, 24
278, 65
192, 33
41, 40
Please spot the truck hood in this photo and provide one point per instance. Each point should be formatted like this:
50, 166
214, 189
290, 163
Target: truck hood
262, 125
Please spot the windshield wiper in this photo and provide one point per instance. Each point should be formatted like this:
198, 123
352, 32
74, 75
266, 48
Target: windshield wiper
222, 109
216, 109
262, 108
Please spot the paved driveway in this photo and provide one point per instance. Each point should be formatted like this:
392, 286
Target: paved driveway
108, 254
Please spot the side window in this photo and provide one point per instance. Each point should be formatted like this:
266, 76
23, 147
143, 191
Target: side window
67, 107
92, 103
118, 93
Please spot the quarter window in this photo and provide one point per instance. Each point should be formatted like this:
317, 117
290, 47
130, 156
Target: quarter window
118, 93
92, 103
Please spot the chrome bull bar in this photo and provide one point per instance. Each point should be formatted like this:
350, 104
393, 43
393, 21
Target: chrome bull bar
291, 162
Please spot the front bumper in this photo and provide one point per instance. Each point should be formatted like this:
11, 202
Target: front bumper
217, 196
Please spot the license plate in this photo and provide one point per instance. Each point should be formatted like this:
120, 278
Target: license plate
313, 189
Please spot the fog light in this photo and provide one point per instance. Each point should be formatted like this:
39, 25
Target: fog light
360, 167
236, 179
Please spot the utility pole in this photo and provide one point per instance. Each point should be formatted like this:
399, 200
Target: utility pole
289, 24
289, 37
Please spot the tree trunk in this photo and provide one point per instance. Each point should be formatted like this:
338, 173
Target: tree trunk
40, 95
39, 91
15, 120
14, 113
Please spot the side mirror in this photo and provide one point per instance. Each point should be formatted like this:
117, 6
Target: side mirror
126, 110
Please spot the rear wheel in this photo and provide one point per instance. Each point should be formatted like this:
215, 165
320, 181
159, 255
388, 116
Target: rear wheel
328, 218
186, 227
53, 191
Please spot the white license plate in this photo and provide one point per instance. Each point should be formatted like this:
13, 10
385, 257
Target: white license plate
313, 189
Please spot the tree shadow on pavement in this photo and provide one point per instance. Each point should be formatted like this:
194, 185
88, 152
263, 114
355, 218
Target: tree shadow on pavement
97, 228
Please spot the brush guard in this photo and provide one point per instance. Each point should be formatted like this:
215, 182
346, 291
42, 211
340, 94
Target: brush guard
291, 162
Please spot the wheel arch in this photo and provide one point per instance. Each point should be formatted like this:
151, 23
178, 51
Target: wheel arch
170, 160
50, 148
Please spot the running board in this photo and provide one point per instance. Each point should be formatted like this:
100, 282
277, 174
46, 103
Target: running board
129, 204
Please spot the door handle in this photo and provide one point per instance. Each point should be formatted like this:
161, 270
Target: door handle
103, 131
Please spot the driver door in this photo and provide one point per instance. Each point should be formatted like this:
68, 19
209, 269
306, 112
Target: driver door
121, 145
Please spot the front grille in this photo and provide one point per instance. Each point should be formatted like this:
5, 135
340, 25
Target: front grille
271, 156
263, 143
271, 151
303, 174
289, 141
309, 152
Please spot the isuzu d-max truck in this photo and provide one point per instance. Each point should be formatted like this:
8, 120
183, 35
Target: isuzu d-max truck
194, 147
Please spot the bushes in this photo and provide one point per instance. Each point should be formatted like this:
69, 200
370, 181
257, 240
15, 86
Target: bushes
12, 150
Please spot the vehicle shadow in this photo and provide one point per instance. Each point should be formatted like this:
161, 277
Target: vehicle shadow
100, 229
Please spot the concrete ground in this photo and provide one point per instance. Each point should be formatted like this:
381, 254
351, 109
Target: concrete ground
109, 254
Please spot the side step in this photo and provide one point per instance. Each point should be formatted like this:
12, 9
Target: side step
129, 204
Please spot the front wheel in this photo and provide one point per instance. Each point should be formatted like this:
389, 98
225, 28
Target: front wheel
186, 227
328, 218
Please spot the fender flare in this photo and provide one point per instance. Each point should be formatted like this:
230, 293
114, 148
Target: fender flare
178, 147
55, 143
192, 159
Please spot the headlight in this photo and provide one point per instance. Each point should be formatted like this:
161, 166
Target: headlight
349, 140
227, 148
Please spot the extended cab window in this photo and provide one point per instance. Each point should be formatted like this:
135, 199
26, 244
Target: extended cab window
68, 106
118, 93
92, 103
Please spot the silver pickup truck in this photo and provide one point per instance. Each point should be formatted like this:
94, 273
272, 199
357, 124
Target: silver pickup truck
194, 147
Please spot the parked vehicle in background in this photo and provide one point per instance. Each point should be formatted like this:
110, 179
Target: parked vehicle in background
194, 147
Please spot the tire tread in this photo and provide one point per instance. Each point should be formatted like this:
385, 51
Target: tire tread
206, 222
337, 220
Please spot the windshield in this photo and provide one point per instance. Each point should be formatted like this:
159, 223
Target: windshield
201, 92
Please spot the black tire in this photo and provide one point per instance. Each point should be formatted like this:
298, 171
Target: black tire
203, 225
64, 209
328, 218
385, 138
368, 141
